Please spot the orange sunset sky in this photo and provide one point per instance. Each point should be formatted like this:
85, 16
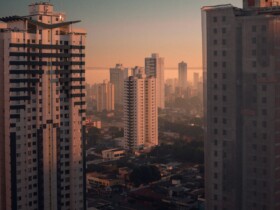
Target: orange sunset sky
127, 31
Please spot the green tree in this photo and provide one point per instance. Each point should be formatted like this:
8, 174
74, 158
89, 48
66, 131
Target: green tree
144, 175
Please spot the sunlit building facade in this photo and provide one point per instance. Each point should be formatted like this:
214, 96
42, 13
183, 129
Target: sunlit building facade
105, 97
42, 79
140, 112
242, 106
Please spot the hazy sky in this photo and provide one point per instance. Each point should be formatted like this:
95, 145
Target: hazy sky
127, 31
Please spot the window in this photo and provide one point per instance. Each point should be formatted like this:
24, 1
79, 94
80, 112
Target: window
224, 30
215, 64
215, 75
215, 19
254, 28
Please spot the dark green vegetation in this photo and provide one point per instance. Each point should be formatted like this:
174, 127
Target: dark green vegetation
181, 151
144, 175
195, 132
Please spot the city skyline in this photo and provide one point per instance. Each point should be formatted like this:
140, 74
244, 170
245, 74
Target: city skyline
126, 31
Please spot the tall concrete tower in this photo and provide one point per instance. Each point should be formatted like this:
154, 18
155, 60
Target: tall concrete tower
154, 66
42, 103
182, 75
105, 96
140, 112
242, 107
117, 77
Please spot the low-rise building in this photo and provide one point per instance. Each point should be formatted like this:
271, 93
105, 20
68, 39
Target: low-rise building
113, 154
99, 179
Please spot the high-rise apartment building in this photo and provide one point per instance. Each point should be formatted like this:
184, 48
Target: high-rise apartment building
42, 103
117, 77
105, 97
182, 75
242, 107
140, 112
154, 67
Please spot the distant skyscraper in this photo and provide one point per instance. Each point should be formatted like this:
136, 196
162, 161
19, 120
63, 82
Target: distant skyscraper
117, 77
195, 79
42, 103
105, 96
140, 112
137, 70
242, 107
182, 75
154, 66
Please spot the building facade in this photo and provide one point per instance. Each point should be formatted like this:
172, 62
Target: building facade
42, 77
105, 97
117, 77
154, 67
140, 112
182, 75
242, 106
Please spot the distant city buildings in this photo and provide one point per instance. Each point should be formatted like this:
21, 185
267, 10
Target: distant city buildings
117, 77
140, 112
42, 82
154, 66
137, 70
182, 75
242, 106
171, 85
105, 96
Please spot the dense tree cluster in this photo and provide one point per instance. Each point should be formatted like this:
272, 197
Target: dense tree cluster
183, 128
185, 152
144, 175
